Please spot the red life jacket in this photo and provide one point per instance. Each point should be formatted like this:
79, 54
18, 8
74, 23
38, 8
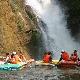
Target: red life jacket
65, 56
46, 58
75, 57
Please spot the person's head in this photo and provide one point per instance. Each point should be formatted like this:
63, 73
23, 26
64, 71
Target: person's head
14, 53
45, 53
62, 51
49, 53
7, 54
75, 51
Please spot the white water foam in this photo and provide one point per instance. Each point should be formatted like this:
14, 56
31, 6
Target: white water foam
57, 36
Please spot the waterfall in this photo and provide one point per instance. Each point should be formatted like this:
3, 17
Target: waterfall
56, 36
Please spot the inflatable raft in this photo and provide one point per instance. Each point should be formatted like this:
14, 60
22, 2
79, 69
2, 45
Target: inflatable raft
41, 63
66, 64
61, 64
9, 66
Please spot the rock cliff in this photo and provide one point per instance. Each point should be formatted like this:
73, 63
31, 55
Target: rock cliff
17, 25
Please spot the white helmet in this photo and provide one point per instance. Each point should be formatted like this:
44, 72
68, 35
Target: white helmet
14, 53
62, 50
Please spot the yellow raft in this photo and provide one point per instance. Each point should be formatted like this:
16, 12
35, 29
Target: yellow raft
53, 63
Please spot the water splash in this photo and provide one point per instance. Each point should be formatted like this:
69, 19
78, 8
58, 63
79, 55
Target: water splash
57, 36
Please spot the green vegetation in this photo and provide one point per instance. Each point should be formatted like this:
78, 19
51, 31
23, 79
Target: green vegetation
16, 5
4, 78
31, 16
20, 24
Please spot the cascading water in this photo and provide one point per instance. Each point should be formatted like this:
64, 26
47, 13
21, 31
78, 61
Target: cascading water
57, 36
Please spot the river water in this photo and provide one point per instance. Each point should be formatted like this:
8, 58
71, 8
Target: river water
41, 73
57, 34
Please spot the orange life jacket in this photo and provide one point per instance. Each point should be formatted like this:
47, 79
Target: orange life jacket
17, 59
47, 58
74, 57
65, 56
13, 61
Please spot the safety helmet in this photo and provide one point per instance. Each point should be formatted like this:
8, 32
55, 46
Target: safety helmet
14, 53
62, 51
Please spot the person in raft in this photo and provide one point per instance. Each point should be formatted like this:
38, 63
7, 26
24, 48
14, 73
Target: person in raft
74, 56
21, 56
47, 57
8, 57
64, 56
15, 58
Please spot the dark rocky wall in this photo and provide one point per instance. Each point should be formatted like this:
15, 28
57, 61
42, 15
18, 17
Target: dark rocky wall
19, 29
72, 11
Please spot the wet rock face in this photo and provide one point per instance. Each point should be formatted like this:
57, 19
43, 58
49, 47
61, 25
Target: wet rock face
19, 29
73, 15
16, 26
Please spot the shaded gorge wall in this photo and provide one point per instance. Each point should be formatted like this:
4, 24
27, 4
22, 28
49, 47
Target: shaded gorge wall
36, 45
55, 34
72, 11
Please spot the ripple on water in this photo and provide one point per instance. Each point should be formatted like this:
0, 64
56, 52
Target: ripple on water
41, 73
